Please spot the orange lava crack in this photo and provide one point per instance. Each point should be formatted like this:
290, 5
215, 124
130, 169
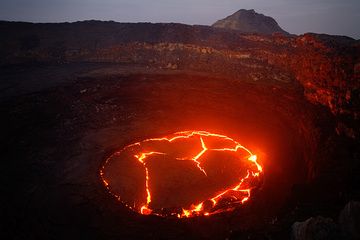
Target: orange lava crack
198, 209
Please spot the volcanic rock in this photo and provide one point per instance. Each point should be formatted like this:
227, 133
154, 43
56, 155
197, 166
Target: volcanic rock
249, 21
73, 93
317, 228
349, 220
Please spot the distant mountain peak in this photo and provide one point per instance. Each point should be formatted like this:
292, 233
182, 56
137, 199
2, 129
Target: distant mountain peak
249, 21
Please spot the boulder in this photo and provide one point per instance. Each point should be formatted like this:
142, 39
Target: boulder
349, 220
315, 228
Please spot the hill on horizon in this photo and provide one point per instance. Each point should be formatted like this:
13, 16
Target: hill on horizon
249, 21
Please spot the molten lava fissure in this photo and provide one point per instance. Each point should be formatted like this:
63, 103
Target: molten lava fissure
185, 174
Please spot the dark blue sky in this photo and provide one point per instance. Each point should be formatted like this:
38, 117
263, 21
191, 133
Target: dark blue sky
340, 17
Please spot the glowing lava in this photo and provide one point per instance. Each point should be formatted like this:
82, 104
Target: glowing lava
197, 147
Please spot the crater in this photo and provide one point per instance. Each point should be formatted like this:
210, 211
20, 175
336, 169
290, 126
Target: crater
279, 131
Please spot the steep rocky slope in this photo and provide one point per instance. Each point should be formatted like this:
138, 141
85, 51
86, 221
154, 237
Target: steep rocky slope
326, 66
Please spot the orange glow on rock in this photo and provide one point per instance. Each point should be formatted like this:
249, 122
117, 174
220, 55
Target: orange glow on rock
221, 201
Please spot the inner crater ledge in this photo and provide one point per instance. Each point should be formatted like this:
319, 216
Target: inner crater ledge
185, 174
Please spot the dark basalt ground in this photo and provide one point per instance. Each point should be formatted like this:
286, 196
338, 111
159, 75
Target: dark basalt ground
60, 122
